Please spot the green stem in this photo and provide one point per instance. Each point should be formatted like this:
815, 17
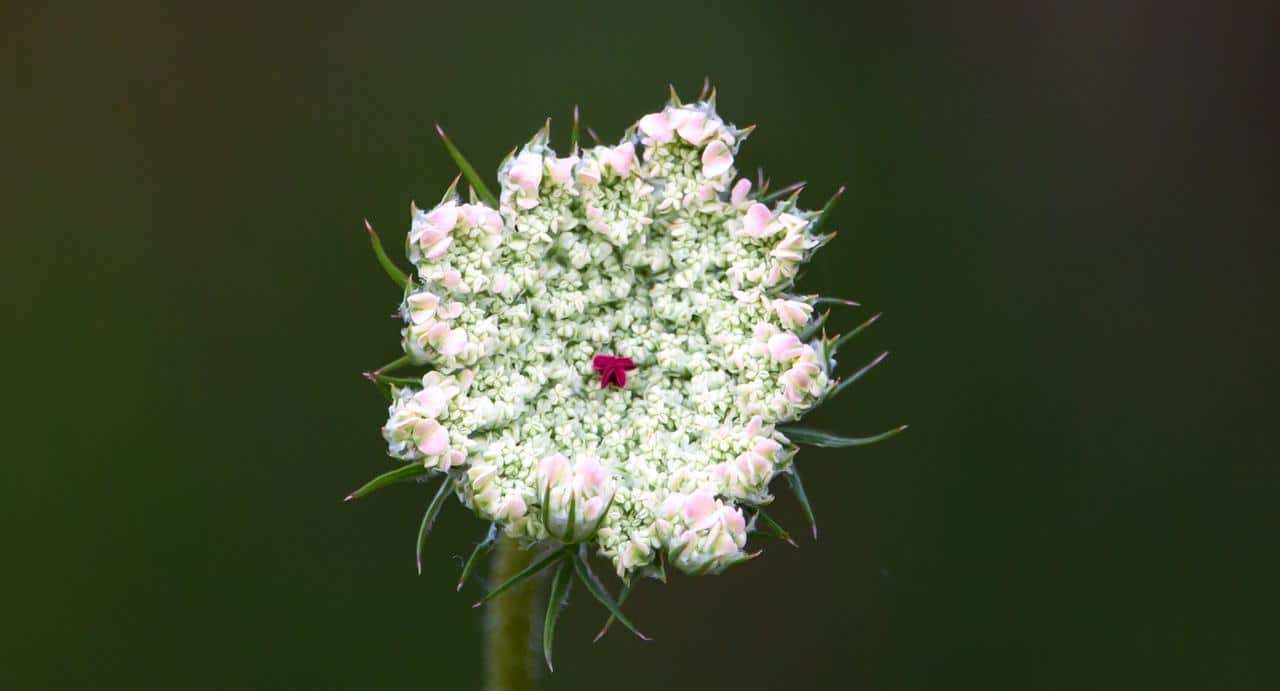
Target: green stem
509, 622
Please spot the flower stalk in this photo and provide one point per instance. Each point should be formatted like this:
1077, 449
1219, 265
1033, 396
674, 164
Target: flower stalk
509, 622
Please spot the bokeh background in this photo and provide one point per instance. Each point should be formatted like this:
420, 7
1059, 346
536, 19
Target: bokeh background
1066, 211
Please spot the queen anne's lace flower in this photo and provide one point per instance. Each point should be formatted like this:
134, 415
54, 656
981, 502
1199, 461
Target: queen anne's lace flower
613, 345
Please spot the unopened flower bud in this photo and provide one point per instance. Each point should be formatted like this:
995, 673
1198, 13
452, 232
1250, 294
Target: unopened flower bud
574, 496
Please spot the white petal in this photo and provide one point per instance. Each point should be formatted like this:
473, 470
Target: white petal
694, 128
784, 346
756, 222
443, 217
716, 159
432, 400
437, 250
593, 508
657, 126
433, 438
698, 508
621, 158
526, 172
562, 170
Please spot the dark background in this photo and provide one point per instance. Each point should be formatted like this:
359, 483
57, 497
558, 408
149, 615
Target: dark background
1068, 215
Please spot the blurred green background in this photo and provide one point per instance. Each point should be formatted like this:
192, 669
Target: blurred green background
1067, 214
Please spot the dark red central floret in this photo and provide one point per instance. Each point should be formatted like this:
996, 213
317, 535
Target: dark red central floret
612, 369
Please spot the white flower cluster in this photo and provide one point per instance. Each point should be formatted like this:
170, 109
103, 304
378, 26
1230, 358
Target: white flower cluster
648, 251
418, 429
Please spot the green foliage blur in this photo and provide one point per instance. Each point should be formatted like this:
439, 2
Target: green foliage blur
1067, 214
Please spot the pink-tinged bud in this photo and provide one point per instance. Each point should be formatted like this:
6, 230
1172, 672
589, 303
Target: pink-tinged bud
453, 343
699, 510
429, 235
436, 333
657, 126
716, 159
753, 426
721, 473
766, 447
677, 116
553, 469
469, 214
431, 401
451, 311
581, 492
454, 457
621, 158
785, 346
481, 216
433, 438
794, 384
526, 173
562, 170
491, 221
738, 196
756, 223
451, 279
760, 465
422, 306
591, 474
696, 127
512, 508
799, 382
792, 313
723, 546
707, 537
594, 507
438, 249
746, 476
443, 217
736, 523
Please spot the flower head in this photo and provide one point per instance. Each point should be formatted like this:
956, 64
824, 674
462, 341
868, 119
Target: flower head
523, 306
